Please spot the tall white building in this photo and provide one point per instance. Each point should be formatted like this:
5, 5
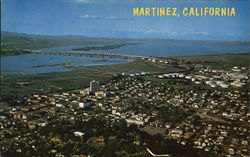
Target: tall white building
94, 86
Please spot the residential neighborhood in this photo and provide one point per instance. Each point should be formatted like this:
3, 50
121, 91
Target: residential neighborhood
206, 109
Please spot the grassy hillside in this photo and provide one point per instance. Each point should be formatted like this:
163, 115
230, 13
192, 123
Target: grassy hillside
26, 41
11, 40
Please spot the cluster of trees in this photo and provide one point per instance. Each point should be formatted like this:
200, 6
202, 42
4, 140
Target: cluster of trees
171, 113
119, 140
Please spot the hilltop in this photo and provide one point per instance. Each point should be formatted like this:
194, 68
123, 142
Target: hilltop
12, 40
31, 41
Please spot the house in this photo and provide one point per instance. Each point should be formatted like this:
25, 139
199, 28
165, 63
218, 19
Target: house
100, 94
78, 133
84, 104
134, 121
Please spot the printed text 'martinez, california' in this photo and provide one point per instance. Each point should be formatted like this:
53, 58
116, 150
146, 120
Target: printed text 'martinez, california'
191, 11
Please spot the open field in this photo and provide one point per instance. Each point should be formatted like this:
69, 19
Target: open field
233, 59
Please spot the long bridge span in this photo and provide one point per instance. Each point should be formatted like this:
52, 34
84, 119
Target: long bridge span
131, 57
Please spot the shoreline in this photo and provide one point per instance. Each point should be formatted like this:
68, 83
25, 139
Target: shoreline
81, 76
74, 68
28, 51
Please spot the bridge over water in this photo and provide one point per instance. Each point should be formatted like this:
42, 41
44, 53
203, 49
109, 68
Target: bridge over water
131, 57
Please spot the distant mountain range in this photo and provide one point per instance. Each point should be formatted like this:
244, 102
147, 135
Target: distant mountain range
31, 41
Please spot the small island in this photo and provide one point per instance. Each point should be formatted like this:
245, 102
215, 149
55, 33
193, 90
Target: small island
105, 47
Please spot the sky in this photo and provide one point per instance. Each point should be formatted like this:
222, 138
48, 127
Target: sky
114, 19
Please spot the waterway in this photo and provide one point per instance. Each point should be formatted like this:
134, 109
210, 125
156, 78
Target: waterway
45, 63
160, 48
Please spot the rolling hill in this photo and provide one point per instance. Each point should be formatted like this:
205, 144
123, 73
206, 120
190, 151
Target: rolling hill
27, 41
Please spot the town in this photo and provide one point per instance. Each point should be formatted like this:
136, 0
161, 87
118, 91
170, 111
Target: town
203, 108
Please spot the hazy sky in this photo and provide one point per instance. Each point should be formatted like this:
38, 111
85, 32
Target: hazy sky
113, 18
